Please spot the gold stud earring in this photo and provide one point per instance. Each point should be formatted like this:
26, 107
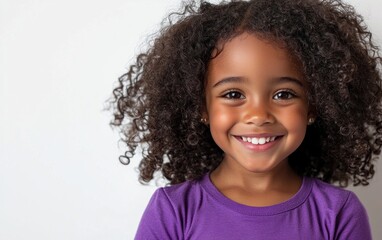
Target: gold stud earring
311, 120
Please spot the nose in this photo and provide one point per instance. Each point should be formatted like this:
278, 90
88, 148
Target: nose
258, 113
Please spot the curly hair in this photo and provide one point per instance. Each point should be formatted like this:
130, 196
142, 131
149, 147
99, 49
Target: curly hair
158, 103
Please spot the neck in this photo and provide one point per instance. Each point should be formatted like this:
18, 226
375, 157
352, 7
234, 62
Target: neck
282, 178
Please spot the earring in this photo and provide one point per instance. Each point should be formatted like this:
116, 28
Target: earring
204, 120
311, 120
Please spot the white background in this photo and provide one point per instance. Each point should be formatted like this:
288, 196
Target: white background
60, 177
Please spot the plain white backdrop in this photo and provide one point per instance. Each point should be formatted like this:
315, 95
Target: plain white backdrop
60, 177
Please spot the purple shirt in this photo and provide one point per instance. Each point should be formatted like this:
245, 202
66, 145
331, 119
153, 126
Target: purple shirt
197, 210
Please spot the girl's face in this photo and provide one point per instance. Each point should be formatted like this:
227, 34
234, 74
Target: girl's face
256, 104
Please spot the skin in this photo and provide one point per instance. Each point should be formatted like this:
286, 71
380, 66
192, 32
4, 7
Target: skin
254, 87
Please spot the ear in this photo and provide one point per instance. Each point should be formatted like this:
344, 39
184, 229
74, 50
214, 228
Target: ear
204, 115
204, 110
311, 115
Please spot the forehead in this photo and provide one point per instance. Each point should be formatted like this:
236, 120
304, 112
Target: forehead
249, 54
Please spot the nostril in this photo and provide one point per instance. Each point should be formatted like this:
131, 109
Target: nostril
259, 120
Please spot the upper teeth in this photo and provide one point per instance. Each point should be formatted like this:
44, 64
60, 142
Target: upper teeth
260, 141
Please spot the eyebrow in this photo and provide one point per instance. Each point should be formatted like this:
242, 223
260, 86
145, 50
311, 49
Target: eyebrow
238, 79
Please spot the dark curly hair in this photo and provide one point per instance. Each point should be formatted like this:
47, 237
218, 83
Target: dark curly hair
159, 101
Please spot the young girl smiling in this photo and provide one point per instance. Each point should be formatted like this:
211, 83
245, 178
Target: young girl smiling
257, 111
251, 109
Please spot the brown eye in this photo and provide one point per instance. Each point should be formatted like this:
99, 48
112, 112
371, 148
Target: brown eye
233, 95
284, 95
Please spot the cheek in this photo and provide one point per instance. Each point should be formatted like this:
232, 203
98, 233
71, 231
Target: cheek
222, 119
296, 121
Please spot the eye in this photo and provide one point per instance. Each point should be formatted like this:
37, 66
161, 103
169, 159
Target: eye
284, 95
233, 94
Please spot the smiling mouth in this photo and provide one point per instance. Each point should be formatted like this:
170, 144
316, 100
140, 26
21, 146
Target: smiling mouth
259, 140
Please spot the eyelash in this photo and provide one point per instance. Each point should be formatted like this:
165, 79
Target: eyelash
291, 94
226, 94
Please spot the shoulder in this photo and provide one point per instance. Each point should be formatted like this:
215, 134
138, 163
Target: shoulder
341, 209
186, 194
178, 190
167, 213
176, 197
334, 198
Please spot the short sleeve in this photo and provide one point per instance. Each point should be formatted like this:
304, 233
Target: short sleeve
160, 220
352, 221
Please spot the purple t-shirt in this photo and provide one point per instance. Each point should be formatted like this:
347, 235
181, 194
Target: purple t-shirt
197, 210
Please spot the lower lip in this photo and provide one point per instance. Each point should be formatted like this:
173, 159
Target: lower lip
259, 147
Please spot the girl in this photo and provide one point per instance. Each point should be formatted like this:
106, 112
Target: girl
250, 109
